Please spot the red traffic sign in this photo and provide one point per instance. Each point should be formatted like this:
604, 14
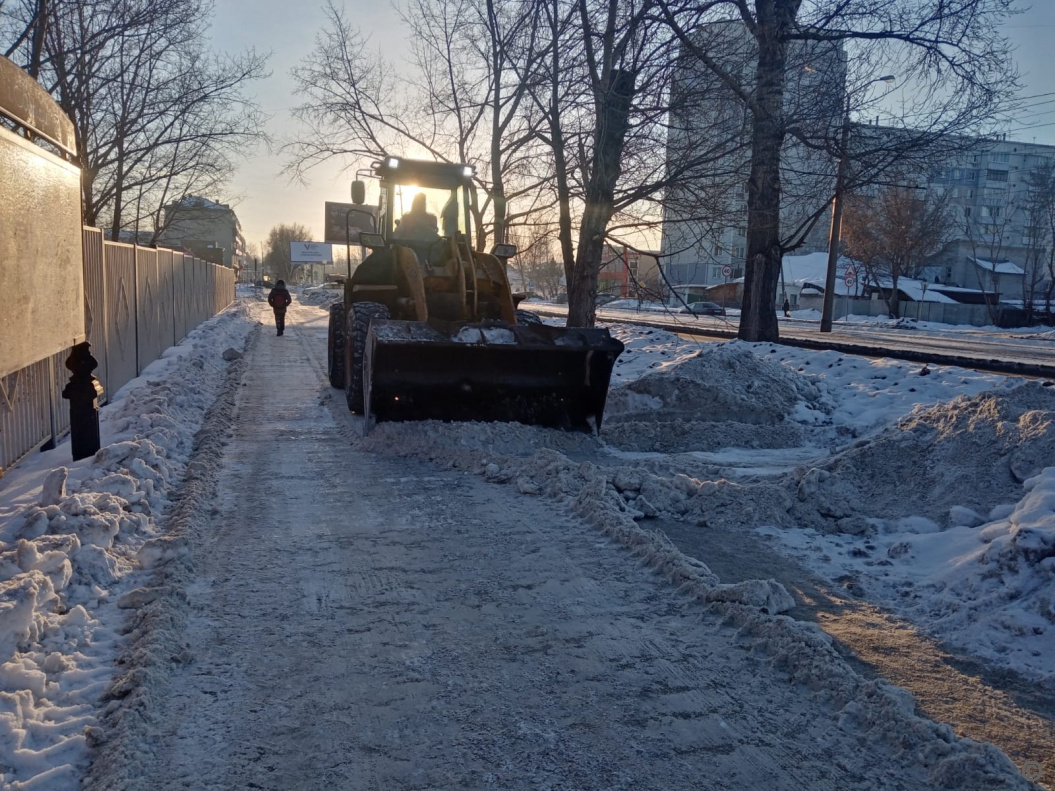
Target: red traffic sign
850, 271
727, 271
850, 280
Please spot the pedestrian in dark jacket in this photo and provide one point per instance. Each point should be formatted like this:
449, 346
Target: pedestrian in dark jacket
279, 299
787, 308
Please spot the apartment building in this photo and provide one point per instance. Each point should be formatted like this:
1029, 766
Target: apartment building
705, 220
199, 225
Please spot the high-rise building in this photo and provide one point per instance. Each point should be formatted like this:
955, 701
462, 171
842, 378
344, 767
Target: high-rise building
705, 217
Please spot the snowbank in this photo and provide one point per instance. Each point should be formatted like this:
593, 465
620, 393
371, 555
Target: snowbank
74, 541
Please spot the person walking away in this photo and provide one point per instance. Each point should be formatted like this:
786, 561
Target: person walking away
787, 308
279, 299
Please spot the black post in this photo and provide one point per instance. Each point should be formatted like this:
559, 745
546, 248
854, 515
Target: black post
83, 391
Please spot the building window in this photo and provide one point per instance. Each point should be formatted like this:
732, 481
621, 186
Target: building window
738, 252
1003, 156
995, 175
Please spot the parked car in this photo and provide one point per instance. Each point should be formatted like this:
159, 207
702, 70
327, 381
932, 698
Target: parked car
704, 309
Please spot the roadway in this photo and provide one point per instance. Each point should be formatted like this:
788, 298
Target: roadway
1021, 352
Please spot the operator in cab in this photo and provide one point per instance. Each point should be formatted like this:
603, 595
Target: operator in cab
417, 225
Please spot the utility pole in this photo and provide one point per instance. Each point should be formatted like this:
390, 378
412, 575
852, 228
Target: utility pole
828, 306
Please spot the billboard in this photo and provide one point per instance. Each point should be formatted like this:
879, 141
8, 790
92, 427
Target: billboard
310, 253
351, 216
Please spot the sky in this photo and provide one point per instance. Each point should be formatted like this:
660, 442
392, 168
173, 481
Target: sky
263, 197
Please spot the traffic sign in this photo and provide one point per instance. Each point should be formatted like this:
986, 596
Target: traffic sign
850, 271
727, 271
849, 279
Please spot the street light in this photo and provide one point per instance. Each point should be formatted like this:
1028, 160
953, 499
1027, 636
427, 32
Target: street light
837, 213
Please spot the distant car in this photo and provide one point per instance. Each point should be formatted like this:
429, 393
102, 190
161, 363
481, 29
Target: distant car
604, 299
704, 309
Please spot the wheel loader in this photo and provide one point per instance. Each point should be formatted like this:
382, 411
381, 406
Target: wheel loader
429, 329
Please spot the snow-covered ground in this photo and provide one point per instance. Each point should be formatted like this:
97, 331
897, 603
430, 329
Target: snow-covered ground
77, 541
932, 488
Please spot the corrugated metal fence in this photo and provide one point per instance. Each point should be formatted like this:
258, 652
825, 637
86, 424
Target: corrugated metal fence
138, 302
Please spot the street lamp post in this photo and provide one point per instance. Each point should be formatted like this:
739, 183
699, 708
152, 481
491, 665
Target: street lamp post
834, 236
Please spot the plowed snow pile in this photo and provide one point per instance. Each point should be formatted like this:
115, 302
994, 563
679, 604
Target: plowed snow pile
725, 396
971, 452
616, 499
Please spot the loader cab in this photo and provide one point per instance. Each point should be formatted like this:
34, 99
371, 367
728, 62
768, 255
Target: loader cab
422, 202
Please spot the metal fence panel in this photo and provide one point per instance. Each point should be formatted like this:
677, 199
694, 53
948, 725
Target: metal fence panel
179, 295
166, 323
148, 333
120, 275
201, 286
192, 286
60, 407
25, 411
41, 276
95, 315
212, 281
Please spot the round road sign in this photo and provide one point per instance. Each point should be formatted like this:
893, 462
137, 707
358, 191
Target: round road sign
727, 271
850, 280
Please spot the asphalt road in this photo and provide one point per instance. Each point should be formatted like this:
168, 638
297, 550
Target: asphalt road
1003, 351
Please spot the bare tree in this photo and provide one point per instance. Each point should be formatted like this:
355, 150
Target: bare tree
1039, 239
894, 233
462, 102
613, 109
156, 116
276, 249
952, 54
563, 104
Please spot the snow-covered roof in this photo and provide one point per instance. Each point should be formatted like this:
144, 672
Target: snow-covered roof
196, 202
1000, 267
918, 290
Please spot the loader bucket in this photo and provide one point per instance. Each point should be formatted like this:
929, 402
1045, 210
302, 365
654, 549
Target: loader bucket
533, 374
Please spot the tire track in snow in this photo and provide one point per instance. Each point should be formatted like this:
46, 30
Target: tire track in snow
402, 628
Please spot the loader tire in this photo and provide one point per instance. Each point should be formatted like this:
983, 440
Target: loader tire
527, 317
359, 317
335, 346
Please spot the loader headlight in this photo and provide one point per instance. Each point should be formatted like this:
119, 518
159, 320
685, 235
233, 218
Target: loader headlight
504, 250
392, 162
468, 171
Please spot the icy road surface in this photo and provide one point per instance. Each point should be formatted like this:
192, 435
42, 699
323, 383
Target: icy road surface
363, 623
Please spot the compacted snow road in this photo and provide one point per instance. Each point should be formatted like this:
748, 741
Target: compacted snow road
363, 623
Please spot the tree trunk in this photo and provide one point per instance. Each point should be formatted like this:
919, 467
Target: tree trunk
758, 320
567, 249
560, 161
610, 127
498, 196
893, 302
37, 51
